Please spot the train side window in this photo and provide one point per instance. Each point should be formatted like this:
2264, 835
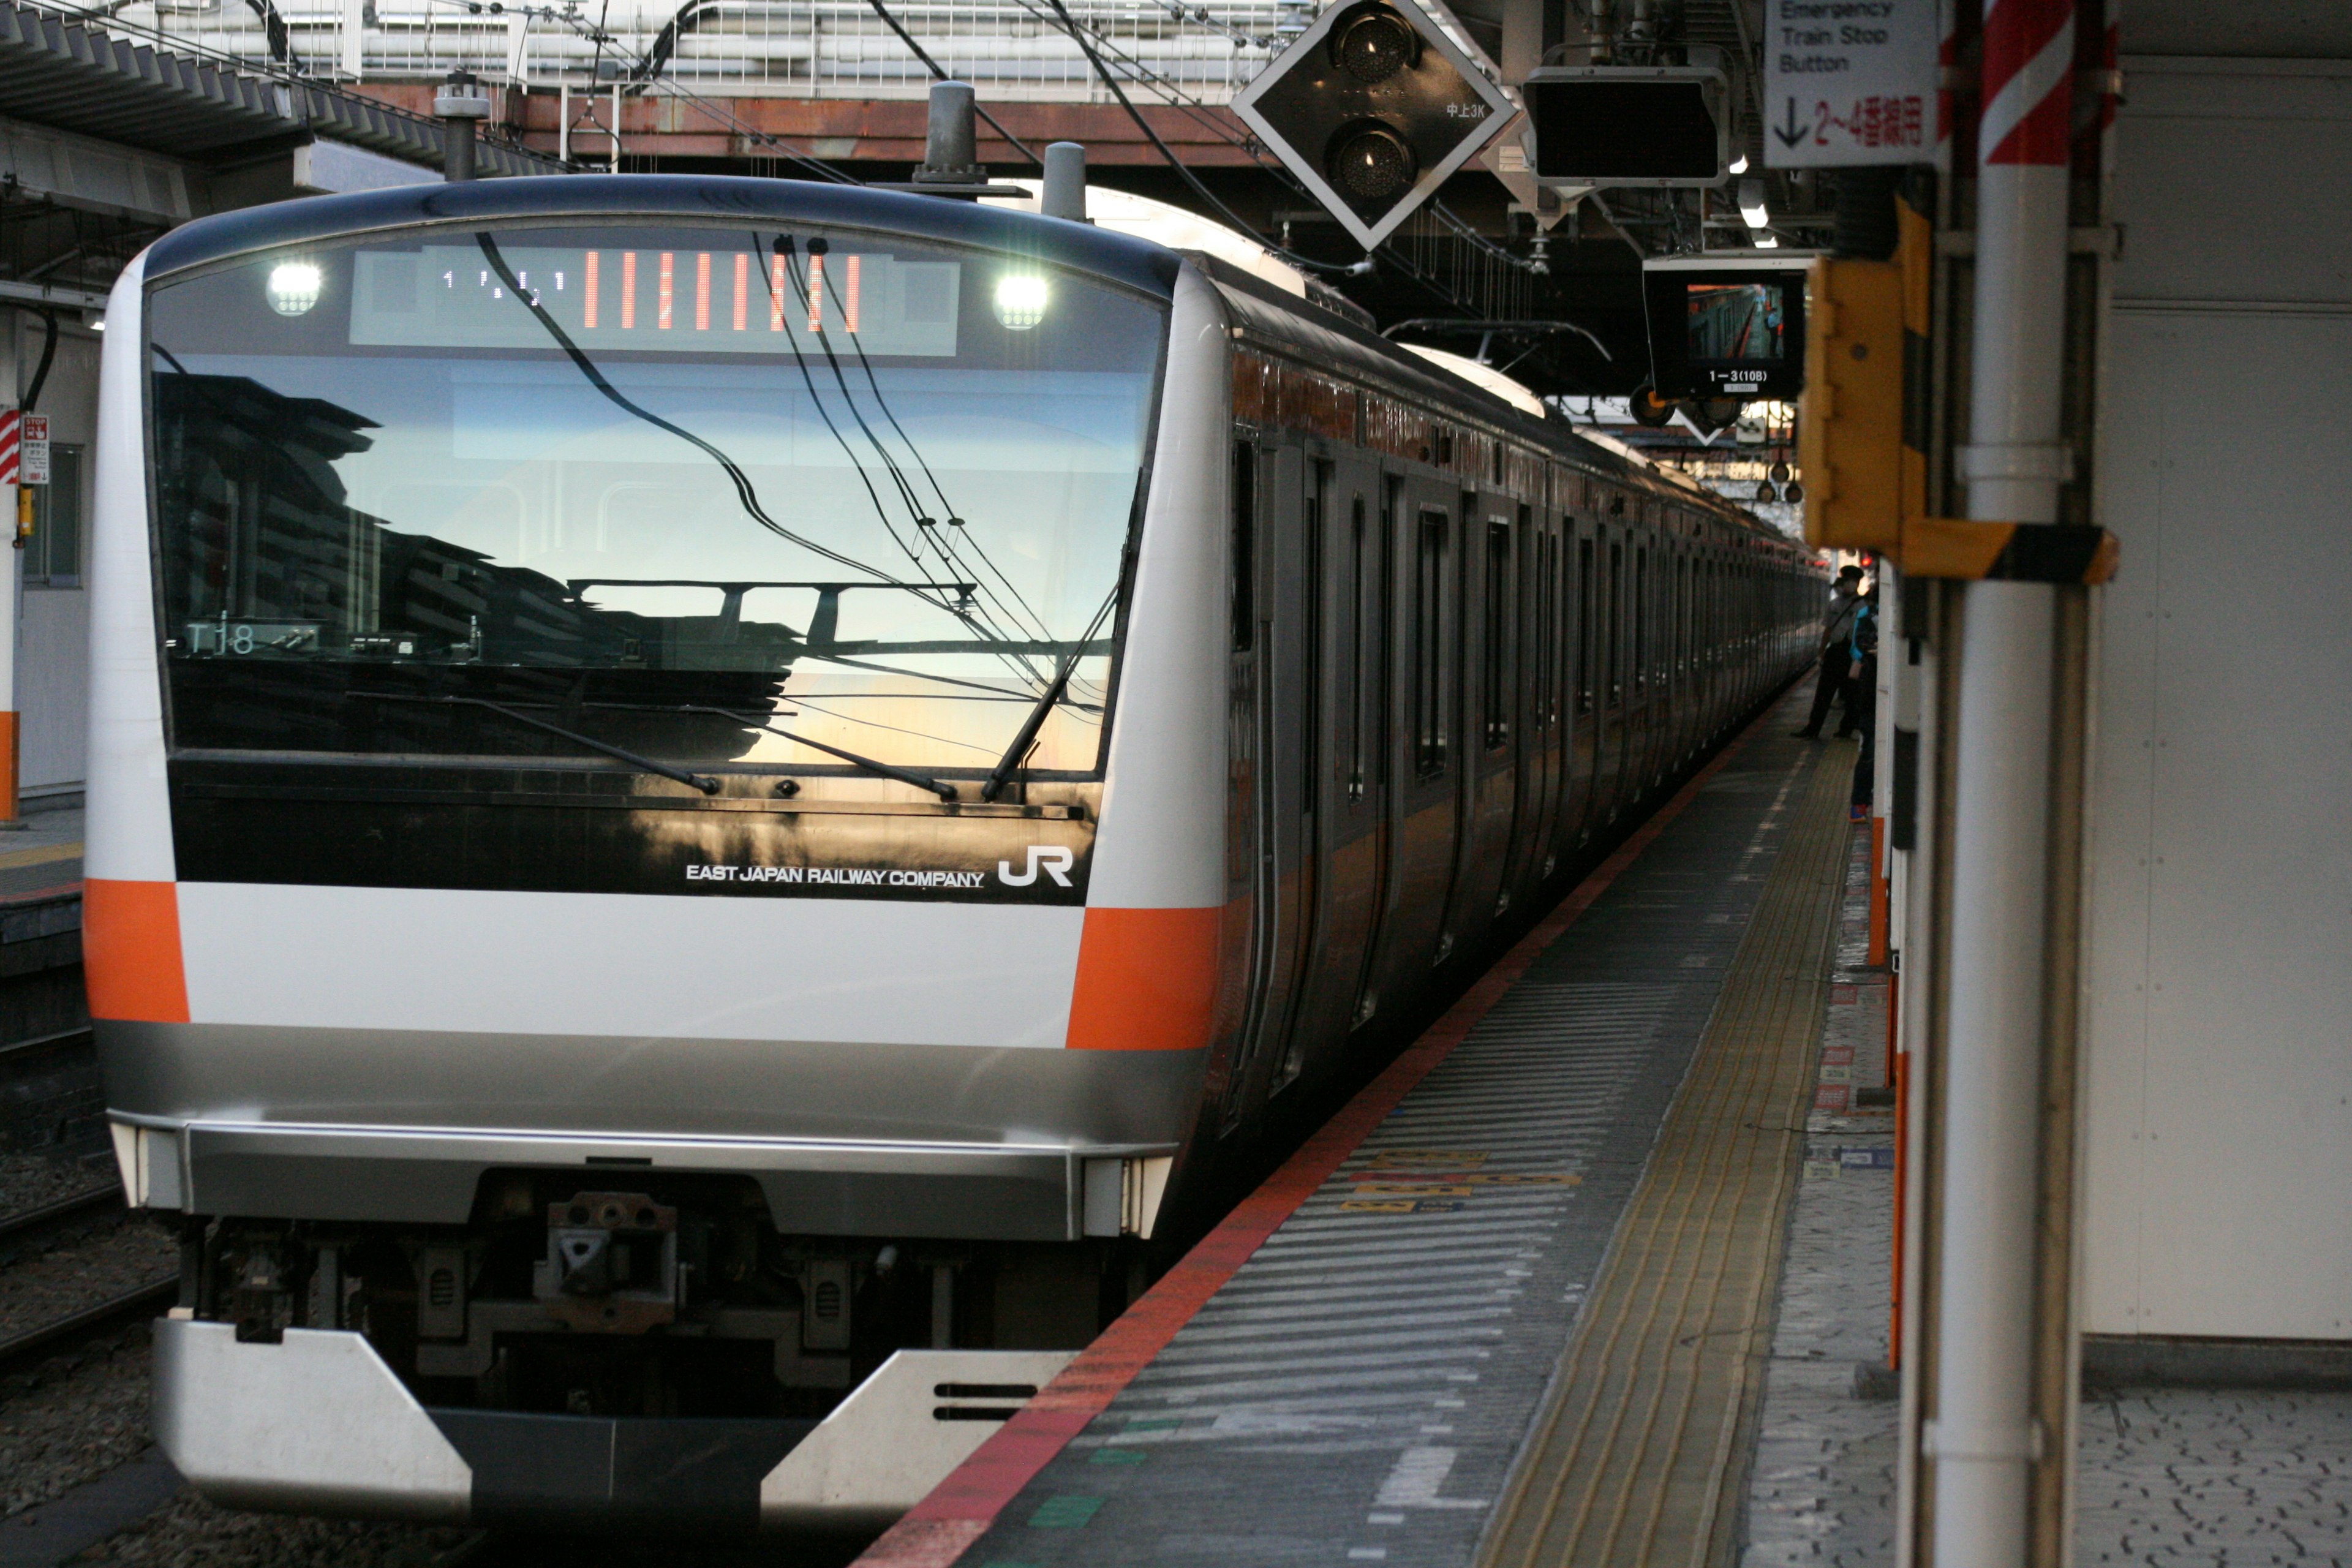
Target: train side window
1584, 625
1358, 676
1537, 650
1245, 603
1496, 673
1310, 747
1641, 619
1429, 641
1682, 612
1615, 589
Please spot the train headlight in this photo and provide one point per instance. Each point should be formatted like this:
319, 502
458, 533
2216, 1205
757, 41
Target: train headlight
1020, 300
294, 287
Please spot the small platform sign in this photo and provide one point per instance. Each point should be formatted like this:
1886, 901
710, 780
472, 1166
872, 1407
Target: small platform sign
1849, 82
35, 459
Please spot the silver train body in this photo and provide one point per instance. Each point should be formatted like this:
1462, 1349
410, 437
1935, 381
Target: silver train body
604, 955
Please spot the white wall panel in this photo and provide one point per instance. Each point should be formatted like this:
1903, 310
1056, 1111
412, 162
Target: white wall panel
2219, 1110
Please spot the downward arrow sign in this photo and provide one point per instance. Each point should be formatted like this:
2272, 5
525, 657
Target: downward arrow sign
1792, 133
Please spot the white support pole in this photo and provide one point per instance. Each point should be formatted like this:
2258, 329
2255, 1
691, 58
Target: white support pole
1983, 1442
12, 587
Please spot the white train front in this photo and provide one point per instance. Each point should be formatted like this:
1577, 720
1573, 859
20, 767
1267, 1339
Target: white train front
707, 793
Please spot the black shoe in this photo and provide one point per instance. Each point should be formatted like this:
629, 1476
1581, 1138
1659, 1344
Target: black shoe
1805, 734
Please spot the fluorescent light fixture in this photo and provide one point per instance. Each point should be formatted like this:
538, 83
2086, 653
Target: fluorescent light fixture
1762, 241
1739, 165
1020, 300
294, 287
1751, 204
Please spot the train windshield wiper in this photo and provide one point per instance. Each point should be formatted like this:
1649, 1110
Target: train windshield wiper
752, 721
1027, 734
696, 780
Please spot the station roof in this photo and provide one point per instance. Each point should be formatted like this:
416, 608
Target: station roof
108, 82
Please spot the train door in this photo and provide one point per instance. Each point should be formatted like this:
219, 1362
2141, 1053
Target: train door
1584, 705
1617, 774
1275, 665
1535, 800
1686, 703
1487, 728
1342, 781
1426, 634
1641, 682
1379, 541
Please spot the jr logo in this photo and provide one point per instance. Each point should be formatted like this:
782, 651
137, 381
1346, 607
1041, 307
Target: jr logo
1055, 859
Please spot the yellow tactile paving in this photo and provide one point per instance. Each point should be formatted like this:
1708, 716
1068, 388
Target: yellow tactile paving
41, 857
1638, 1456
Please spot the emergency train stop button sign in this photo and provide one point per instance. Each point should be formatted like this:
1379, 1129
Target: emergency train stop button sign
1849, 82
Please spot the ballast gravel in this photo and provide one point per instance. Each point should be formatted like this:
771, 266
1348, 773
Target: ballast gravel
113, 1256
189, 1532
72, 1419
36, 1180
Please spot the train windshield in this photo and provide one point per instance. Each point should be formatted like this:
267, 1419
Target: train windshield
693, 493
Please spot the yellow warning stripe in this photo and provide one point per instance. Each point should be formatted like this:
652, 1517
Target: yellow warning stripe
1639, 1455
43, 856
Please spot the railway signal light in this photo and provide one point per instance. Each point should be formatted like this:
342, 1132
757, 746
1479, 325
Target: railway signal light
1629, 125
1372, 108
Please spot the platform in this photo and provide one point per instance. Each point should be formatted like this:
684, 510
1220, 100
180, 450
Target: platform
1512, 1305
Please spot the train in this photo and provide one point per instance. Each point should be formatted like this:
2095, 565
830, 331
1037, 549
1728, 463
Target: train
715, 803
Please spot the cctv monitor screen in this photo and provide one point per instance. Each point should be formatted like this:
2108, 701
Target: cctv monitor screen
1735, 323
1730, 331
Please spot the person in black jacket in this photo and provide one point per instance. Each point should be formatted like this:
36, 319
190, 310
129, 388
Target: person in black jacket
1837, 630
1861, 701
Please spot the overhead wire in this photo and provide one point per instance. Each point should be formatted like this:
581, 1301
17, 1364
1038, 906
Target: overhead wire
915, 511
939, 73
1178, 99
951, 520
1086, 48
745, 493
785, 253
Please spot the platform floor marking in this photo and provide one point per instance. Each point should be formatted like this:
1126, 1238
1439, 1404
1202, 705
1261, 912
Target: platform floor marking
1636, 1461
1207, 1500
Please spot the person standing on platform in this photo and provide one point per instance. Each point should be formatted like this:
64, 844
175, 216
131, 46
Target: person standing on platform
1837, 631
1862, 702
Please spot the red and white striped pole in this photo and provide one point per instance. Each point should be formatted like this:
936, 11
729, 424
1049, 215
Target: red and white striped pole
1984, 1441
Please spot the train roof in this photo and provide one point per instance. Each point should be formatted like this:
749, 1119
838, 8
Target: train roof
1322, 337
1122, 259
1313, 332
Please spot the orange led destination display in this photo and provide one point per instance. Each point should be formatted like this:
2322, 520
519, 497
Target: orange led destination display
653, 298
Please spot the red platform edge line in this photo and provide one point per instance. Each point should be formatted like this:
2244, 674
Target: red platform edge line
938, 1531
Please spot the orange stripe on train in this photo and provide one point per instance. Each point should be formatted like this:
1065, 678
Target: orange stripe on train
1147, 981
131, 952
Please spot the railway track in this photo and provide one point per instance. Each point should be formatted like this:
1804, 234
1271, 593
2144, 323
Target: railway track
30, 1231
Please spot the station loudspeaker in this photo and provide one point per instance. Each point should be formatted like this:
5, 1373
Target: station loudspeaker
1372, 108
1629, 125
1648, 408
